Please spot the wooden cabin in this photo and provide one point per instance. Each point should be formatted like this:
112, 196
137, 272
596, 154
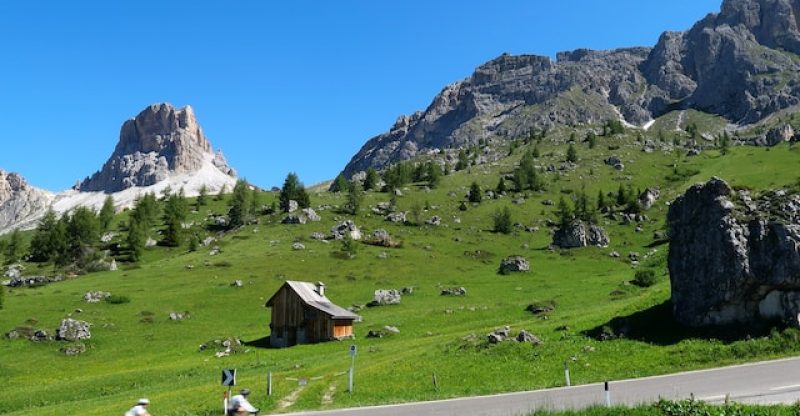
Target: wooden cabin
301, 314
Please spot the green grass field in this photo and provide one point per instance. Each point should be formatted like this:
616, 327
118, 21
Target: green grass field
137, 351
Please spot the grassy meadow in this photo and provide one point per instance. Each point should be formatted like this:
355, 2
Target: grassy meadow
136, 351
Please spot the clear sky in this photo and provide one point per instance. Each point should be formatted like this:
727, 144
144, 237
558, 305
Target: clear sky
279, 86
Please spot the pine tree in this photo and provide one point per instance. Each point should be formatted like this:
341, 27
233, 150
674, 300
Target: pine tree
572, 154
293, 190
622, 197
175, 212
238, 214
501, 186
221, 194
371, 180
564, 212
535, 153
137, 237
355, 196
601, 200
41, 247
463, 160
339, 184
433, 175
502, 221
592, 139
15, 247
255, 203
474, 193
83, 232
106, 213
202, 197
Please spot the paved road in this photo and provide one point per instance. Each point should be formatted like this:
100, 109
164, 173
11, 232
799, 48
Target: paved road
765, 382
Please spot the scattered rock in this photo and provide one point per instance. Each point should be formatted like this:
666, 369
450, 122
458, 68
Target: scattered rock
396, 217
75, 349
294, 219
298, 246
385, 297
178, 316
293, 206
150, 242
317, 236
435, 221
514, 264
343, 228
311, 215
648, 197
454, 291
94, 297
235, 283
525, 336
73, 330
614, 254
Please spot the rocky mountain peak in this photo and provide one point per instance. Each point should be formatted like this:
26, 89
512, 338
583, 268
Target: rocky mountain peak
20, 203
159, 142
736, 63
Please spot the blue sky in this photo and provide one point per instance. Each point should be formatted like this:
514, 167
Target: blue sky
278, 86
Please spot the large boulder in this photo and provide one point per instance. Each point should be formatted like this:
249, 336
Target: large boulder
732, 259
514, 264
648, 198
73, 330
385, 297
580, 234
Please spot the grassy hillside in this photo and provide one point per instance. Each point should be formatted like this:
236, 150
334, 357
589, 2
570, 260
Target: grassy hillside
137, 351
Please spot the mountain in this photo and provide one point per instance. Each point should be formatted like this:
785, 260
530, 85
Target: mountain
159, 143
740, 63
20, 203
162, 148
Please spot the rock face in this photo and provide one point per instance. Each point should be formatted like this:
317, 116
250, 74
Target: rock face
157, 143
20, 203
732, 259
579, 234
736, 63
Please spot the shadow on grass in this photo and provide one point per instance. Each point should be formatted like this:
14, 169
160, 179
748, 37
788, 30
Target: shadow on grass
259, 343
656, 325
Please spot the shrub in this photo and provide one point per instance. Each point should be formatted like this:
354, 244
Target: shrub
502, 221
118, 299
645, 278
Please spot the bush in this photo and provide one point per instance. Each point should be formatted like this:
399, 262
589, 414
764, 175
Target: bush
502, 221
118, 299
645, 278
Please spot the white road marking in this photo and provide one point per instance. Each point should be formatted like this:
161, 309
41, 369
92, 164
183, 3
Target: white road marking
789, 387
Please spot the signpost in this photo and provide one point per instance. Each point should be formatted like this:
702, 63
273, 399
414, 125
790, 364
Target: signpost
608, 396
228, 380
353, 352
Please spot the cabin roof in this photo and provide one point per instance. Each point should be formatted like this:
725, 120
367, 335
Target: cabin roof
308, 293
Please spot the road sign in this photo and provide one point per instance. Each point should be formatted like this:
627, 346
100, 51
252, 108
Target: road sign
353, 350
229, 377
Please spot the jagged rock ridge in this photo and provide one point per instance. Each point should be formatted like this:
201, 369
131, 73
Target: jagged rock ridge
734, 259
19, 202
159, 142
733, 63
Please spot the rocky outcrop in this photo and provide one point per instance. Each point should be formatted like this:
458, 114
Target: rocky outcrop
159, 142
737, 63
734, 259
580, 234
21, 204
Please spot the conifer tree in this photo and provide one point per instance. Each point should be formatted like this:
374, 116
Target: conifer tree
355, 196
474, 193
434, 174
238, 213
255, 203
175, 213
564, 212
106, 213
371, 180
572, 154
339, 184
201, 197
14, 248
463, 160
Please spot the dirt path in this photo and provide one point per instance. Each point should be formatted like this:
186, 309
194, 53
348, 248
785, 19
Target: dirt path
291, 398
327, 398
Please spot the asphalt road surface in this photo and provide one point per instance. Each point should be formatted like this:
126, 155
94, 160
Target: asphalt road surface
764, 383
